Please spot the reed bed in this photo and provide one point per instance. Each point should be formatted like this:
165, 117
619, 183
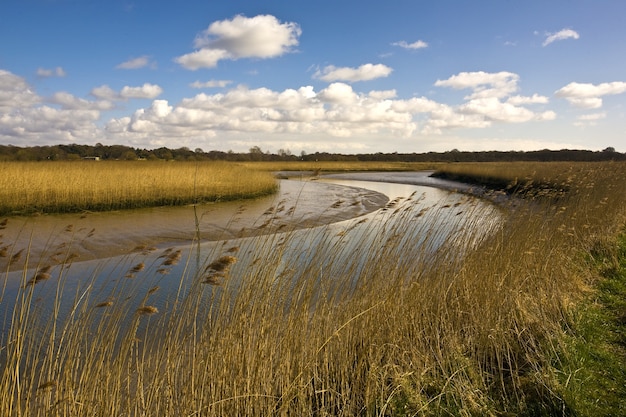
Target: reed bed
44, 187
419, 323
340, 166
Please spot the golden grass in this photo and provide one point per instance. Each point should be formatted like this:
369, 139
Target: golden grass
339, 166
33, 187
464, 325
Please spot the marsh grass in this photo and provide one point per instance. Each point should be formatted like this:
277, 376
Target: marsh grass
419, 323
318, 167
45, 187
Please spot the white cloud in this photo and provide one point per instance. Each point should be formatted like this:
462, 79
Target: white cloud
262, 36
365, 72
237, 115
55, 72
105, 92
484, 84
136, 63
535, 99
203, 58
71, 102
486, 105
589, 96
592, 116
23, 117
338, 93
587, 120
414, 45
15, 93
146, 91
210, 84
560, 35
493, 109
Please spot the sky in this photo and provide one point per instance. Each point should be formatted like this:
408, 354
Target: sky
341, 76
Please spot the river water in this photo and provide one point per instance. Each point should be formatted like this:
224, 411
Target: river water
322, 226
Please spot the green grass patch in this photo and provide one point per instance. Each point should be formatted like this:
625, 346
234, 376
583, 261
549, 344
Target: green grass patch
593, 364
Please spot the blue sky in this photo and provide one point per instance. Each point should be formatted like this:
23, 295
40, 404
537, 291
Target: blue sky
338, 76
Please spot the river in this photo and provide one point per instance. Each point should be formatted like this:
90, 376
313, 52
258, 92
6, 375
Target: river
322, 226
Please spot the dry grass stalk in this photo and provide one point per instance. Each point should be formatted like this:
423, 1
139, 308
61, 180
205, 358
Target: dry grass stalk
405, 326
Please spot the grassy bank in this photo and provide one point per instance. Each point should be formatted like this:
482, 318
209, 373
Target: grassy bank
45, 187
393, 329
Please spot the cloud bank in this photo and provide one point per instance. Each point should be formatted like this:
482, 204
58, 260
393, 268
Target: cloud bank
316, 116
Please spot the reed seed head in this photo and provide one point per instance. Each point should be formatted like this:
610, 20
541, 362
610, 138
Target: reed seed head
172, 258
147, 310
104, 304
47, 385
139, 267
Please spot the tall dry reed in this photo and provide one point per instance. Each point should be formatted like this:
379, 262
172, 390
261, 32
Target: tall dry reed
32, 187
386, 315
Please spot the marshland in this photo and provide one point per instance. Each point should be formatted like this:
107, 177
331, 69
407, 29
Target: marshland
425, 301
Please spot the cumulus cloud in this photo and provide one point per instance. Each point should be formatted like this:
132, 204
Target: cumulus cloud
47, 73
210, 84
560, 35
136, 63
146, 91
484, 84
534, 99
70, 102
589, 96
23, 115
414, 45
337, 111
262, 36
365, 72
493, 109
15, 93
491, 100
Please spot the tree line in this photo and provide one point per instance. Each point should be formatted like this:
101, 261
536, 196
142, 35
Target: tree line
99, 151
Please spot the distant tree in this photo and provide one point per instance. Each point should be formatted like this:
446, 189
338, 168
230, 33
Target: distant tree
256, 154
609, 149
129, 156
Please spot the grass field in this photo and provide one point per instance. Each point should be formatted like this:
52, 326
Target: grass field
498, 331
47, 187
341, 166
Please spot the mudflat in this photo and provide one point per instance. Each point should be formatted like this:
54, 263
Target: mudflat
58, 238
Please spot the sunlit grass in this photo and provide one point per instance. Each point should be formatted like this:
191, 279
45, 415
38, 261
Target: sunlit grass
339, 166
44, 187
465, 325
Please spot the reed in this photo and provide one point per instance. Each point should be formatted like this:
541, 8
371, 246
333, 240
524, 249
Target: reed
44, 187
419, 323
340, 166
